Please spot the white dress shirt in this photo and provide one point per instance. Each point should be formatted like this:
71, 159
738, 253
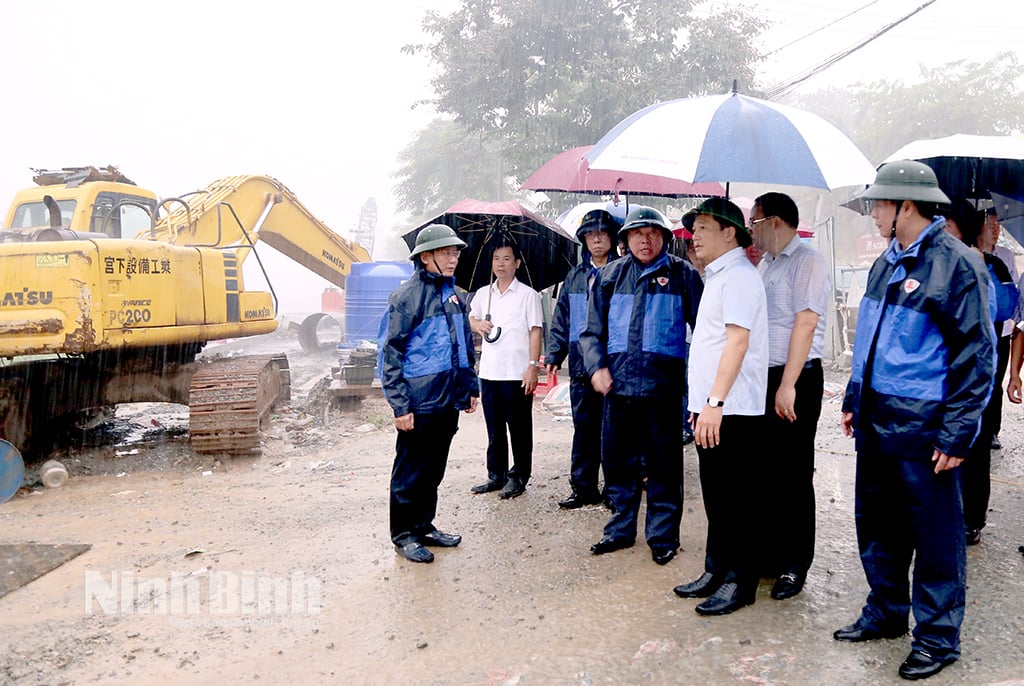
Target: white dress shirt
516, 311
733, 294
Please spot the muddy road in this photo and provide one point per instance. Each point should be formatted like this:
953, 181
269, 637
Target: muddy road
279, 569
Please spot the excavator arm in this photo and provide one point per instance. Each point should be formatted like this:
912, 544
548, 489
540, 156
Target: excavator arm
90, 318
218, 216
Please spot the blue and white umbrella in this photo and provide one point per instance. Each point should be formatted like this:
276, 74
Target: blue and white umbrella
730, 139
1010, 211
571, 218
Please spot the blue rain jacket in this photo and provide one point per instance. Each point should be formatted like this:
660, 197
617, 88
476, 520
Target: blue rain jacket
1003, 293
925, 343
636, 324
570, 316
426, 355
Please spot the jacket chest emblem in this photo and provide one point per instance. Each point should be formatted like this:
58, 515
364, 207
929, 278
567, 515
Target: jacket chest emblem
661, 281
911, 285
454, 299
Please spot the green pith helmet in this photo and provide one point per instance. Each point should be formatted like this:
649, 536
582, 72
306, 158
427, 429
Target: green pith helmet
906, 180
434, 237
645, 216
726, 213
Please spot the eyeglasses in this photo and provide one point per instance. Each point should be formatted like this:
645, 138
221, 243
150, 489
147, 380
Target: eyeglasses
755, 222
449, 252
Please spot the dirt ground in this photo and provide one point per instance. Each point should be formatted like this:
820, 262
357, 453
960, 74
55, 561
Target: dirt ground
279, 569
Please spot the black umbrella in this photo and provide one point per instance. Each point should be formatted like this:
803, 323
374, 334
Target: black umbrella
547, 252
971, 166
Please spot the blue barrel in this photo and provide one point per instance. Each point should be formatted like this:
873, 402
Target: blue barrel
366, 296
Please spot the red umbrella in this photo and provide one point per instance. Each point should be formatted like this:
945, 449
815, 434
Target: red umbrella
569, 172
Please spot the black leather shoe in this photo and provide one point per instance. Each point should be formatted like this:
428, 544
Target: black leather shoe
488, 486
610, 545
578, 500
787, 586
414, 551
921, 665
858, 632
439, 539
687, 437
973, 536
663, 555
707, 584
513, 489
996, 445
728, 598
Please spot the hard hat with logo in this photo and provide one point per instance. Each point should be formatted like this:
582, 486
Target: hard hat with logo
726, 213
906, 180
435, 237
645, 216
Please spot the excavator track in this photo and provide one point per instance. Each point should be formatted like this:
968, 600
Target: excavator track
230, 402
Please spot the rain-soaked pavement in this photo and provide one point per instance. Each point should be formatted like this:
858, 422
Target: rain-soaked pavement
521, 601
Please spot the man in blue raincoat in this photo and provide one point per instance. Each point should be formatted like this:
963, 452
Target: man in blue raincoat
923, 369
634, 348
597, 235
426, 362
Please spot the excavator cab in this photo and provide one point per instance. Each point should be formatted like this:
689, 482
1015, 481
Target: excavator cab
34, 214
109, 206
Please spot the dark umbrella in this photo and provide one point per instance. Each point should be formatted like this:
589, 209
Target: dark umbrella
971, 166
570, 172
547, 253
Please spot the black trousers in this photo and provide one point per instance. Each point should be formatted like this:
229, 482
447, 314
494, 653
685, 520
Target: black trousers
729, 483
787, 474
975, 478
1003, 359
508, 413
421, 456
642, 436
906, 513
587, 408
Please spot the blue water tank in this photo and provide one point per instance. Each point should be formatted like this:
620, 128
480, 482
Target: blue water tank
366, 296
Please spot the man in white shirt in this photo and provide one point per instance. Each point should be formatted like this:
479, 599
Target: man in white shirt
728, 381
507, 314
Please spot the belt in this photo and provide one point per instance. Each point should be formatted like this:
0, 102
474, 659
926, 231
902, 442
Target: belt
810, 364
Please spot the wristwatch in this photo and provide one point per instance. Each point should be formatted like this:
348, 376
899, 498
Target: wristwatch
715, 402
535, 363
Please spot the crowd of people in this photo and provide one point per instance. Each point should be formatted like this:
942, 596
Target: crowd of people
657, 344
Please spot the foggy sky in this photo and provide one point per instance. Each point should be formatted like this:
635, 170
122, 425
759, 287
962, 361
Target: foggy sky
318, 95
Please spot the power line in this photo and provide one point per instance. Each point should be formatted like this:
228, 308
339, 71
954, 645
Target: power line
785, 87
822, 28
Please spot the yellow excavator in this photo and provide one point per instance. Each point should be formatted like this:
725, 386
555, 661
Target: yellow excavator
108, 294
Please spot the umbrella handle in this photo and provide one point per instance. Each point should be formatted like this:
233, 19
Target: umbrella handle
497, 331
